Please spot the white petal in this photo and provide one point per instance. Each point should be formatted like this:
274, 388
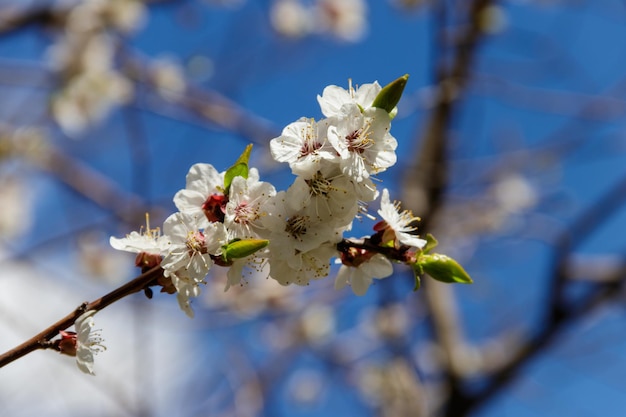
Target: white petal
360, 282
377, 267
331, 100
203, 177
410, 240
84, 360
183, 303
343, 277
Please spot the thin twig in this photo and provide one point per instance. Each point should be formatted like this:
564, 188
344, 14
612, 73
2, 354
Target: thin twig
39, 341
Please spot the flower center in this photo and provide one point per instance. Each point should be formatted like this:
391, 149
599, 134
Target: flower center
319, 185
244, 213
196, 242
359, 140
297, 226
310, 144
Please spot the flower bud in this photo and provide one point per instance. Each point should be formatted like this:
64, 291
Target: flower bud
388, 98
67, 344
443, 268
242, 248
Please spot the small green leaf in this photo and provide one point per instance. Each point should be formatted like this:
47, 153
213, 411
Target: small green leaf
431, 243
443, 268
389, 96
239, 169
240, 248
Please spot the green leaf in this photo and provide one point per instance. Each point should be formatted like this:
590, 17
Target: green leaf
431, 243
443, 268
239, 169
240, 248
417, 271
389, 96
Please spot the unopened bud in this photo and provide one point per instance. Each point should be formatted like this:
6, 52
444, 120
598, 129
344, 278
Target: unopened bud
242, 248
388, 98
67, 344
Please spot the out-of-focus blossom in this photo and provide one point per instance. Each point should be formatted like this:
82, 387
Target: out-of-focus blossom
345, 19
291, 18
92, 15
88, 98
168, 78
393, 387
514, 193
16, 203
493, 19
317, 323
74, 54
23, 142
84, 59
306, 386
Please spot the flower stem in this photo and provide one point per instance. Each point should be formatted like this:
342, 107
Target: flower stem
391, 253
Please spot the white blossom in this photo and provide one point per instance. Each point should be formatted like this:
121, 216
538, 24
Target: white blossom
249, 265
204, 188
147, 240
188, 257
186, 287
400, 224
300, 246
290, 230
327, 195
245, 208
303, 145
88, 342
190, 246
363, 141
301, 267
360, 277
333, 98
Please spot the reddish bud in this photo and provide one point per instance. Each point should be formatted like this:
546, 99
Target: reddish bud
146, 260
214, 207
67, 344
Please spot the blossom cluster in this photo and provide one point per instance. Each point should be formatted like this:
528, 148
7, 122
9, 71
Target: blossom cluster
233, 219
